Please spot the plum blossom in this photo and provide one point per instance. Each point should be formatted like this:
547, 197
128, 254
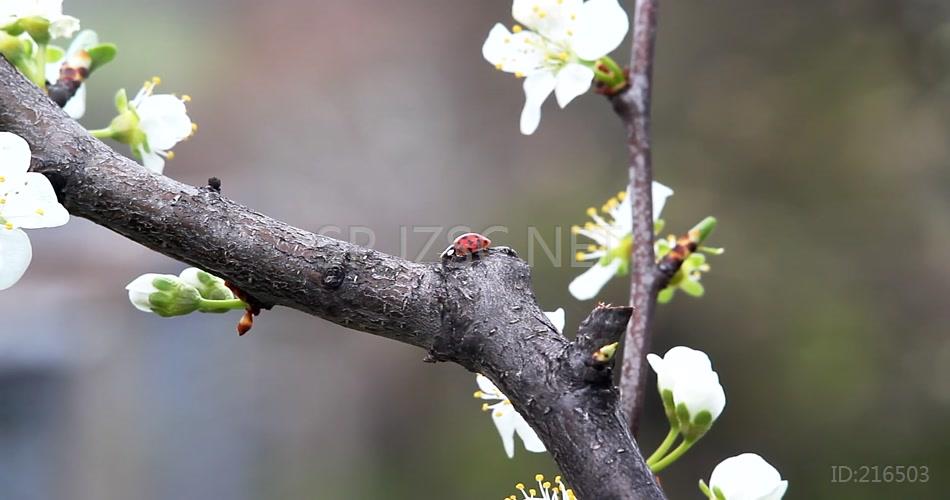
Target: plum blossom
546, 490
745, 477
27, 201
557, 49
692, 395
60, 25
507, 420
610, 231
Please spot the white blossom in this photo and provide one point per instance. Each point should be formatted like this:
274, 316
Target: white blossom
546, 490
61, 26
747, 477
688, 375
164, 121
27, 201
507, 420
610, 230
141, 289
556, 49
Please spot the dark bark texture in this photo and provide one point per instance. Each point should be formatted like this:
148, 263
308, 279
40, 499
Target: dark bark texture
478, 312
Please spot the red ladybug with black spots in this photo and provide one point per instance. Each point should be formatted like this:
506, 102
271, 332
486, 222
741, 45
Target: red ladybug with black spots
467, 244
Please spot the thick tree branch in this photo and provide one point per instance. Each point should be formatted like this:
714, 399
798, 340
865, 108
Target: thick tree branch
633, 107
479, 313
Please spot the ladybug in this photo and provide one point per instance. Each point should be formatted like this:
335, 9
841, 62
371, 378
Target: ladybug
466, 244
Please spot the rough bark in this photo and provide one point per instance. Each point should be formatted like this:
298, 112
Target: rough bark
480, 313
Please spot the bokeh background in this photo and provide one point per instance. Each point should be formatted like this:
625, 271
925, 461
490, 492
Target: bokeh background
817, 131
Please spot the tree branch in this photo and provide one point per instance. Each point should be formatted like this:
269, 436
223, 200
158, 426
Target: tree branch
633, 107
479, 313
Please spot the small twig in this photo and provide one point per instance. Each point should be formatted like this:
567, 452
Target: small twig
633, 107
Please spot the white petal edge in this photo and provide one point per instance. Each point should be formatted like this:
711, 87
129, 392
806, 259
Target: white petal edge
153, 161
76, 106
557, 318
588, 284
573, 80
601, 27
14, 155
537, 88
660, 195
530, 438
504, 417
15, 256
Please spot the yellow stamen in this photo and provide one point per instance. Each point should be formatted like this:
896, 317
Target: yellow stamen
9, 225
519, 487
40, 211
156, 80
186, 98
519, 74
539, 478
591, 212
485, 407
622, 195
170, 155
579, 256
478, 394
516, 28
499, 66
3, 179
575, 229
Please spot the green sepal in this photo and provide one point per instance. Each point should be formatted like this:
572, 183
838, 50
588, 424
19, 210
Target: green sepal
121, 101
101, 55
37, 27
719, 494
692, 287
54, 53
705, 227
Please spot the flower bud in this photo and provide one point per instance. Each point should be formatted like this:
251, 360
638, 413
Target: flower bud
746, 477
209, 286
690, 389
163, 294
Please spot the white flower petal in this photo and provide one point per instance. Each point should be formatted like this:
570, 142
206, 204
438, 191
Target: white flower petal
164, 119
572, 80
153, 161
557, 318
552, 18
660, 194
505, 418
495, 48
537, 88
30, 202
15, 256
588, 284
140, 289
748, 477
488, 389
530, 438
76, 105
700, 391
601, 26
678, 363
14, 157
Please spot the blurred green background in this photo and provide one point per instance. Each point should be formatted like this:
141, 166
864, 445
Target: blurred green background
817, 131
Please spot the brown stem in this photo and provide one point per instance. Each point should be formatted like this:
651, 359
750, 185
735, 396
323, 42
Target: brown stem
633, 107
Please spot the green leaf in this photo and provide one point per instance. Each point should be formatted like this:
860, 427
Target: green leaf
101, 54
666, 295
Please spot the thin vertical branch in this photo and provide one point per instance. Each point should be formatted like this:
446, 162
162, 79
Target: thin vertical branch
633, 106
